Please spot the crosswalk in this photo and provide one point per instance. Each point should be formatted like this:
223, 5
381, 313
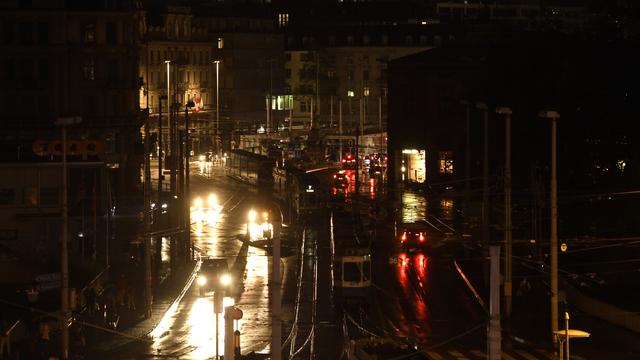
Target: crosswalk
474, 354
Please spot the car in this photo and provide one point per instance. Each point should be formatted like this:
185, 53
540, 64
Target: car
214, 274
414, 237
349, 162
340, 179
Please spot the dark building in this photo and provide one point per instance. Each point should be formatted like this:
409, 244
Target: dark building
593, 85
67, 59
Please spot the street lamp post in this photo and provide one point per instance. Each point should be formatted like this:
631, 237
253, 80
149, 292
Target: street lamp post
217, 62
187, 196
553, 204
507, 211
64, 252
485, 182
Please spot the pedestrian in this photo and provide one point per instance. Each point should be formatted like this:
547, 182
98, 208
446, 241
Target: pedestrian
131, 303
121, 289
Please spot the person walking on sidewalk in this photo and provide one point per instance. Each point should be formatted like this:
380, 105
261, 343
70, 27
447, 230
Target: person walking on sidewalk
4, 338
131, 301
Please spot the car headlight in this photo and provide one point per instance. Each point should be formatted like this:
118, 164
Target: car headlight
225, 279
201, 280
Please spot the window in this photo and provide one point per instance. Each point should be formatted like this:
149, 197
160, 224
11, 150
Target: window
7, 196
283, 20
305, 106
43, 69
7, 31
365, 75
350, 40
365, 40
384, 40
423, 40
446, 162
220, 43
408, 40
49, 196
9, 69
112, 70
350, 93
26, 33
43, 32
26, 70
43, 105
287, 57
88, 33
366, 91
89, 70
111, 33
437, 40
30, 196
287, 73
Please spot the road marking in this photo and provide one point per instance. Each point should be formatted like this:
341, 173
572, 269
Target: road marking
434, 355
526, 355
458, 355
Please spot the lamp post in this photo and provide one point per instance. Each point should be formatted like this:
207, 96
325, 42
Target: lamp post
553, 204
467, 160
485, 181
187, 196
64, 252
217, 138
507, 211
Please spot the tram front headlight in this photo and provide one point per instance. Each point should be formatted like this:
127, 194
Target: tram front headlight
202, 281
225, 279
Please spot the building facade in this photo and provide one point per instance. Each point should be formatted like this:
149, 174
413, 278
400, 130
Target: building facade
68, 59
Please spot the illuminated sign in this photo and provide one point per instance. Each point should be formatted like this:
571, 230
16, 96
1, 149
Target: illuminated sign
83, 148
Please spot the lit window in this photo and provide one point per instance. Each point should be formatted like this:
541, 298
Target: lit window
350, 93
220, 43
283, 20
366, 91
89, 33
446, 162
89, 69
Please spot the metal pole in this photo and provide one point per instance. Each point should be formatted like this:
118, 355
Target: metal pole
331, 112
64, 254
217, 108
507, 213
160, 153
147, 221
467, 165
494, 337
380, 124
566, 332
554, 231
174, 134
340, 127
187, 196
485, 180
217, 334
276, 322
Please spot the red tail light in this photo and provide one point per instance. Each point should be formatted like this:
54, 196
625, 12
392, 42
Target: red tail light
404, 236
335, 176
421, 237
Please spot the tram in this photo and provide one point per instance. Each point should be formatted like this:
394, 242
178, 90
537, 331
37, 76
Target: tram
351, 261
309, 195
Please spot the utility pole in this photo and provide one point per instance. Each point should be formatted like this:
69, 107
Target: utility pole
160, 152
494, 338
485, 181
508, 276
553, 116
187, 191
340, 127
467, 160
64, 251
276, 321
148, 295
